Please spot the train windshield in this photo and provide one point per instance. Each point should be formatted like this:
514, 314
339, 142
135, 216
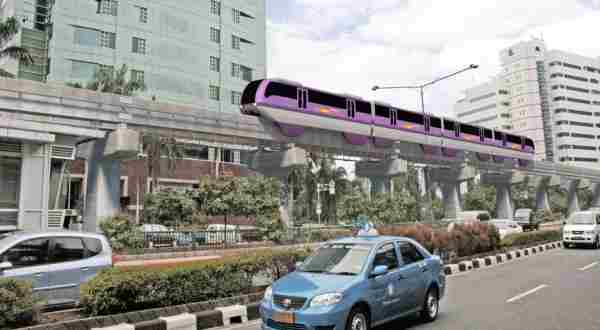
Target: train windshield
249, 95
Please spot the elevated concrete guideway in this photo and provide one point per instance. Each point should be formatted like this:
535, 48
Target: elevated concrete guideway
32, 110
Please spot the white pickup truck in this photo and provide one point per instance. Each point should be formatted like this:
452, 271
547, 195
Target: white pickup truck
582, 228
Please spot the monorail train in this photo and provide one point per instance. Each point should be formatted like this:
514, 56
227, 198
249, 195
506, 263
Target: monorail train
293, 106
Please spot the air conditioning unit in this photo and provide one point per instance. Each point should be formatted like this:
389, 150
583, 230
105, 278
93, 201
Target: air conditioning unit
63, 152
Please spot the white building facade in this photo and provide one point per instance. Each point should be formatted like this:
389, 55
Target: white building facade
551, 96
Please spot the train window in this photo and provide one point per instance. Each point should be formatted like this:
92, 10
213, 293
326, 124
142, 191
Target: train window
448, 125
249, 95
326, 99
498, 136
469, 129
513, 139
363, 107
529, 142
435, 122
487, 133
382, 111
283, 90
410, 117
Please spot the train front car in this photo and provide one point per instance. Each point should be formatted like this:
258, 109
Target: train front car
293, 107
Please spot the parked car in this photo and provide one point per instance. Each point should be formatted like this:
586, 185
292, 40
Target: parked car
356, 283
475, 215
582, 228
506, 227
57, 262
527, 219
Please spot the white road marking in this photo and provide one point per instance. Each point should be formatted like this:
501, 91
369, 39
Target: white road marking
524, 294
589, 266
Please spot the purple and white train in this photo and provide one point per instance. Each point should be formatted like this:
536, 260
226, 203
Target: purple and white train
293, 106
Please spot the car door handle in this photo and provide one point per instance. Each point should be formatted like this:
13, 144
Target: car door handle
39, 275
85, 269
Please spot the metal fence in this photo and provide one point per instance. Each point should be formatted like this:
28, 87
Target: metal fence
240, 237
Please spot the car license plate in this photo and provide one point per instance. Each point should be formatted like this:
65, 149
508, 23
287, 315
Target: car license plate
577, 238
283, 317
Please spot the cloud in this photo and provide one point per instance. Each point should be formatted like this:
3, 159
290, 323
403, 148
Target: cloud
349, 46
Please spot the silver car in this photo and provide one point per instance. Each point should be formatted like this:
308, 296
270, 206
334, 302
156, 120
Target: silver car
57, 262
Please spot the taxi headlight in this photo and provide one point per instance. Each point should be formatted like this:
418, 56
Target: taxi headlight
326, 299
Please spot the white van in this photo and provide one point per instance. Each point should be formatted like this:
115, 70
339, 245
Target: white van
582, 228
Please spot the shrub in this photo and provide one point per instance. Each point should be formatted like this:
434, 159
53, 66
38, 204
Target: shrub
118, 291
169, 208
122, 234
18, 307
531, 237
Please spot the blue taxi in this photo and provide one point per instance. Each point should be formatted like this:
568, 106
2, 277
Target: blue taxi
356, 283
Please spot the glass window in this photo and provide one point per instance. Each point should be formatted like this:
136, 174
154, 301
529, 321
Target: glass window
469, 129
214, 92
386, 256
138, 45
281, 89
143, 14
86, 37
83, 70
346, 259
435, 122
67, 249
93, 246
409, 253
236, 98
215, 35
215, 7
108, 39
107, 7
246, 73
215, 64
327, 99
27, 254
411, 117
137, 75
235, 16
235, 42
10, 182
382, 111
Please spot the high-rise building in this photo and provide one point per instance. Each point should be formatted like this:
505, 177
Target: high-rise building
551, 96
200, 52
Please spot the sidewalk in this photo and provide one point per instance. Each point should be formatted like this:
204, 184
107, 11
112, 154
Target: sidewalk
154, 262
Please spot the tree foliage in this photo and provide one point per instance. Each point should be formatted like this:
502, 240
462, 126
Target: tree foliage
162, 154
169, 208
109, 80
9, 28
480, 197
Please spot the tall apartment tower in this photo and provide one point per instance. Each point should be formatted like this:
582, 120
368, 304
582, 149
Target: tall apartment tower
198, 52
551, 96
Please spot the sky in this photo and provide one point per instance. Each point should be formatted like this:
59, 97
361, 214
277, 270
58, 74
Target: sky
348, 46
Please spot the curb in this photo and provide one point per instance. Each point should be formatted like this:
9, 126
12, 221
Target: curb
478, 263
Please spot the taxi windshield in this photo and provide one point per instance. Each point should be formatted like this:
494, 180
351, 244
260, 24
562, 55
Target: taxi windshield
339, 259
581, 219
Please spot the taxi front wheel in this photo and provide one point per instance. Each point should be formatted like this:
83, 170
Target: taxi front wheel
431, 306
358, 320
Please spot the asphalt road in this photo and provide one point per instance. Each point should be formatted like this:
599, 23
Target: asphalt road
559, 289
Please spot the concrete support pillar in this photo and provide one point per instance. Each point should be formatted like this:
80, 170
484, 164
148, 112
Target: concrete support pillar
380, 174
451, 199
103, 186
595, 195
35, 182
542, 202
279, 164
504, 202
572, 199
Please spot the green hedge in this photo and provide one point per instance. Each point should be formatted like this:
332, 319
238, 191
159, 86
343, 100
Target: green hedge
18, 307
531, 237
122, 233
119, 291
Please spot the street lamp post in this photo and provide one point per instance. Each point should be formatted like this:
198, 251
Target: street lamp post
421, 92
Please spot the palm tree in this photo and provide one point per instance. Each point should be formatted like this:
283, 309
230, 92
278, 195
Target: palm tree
107, 80
8, 30
159, 150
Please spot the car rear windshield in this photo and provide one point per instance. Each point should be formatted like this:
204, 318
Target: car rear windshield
343, 259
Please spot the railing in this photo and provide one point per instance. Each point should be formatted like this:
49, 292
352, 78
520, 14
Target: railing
240, 237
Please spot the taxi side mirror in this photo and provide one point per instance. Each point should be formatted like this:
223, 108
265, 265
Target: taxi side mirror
5, 265
379, 270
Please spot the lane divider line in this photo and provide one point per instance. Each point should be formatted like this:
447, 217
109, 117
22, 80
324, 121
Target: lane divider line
524, 294
588, 266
